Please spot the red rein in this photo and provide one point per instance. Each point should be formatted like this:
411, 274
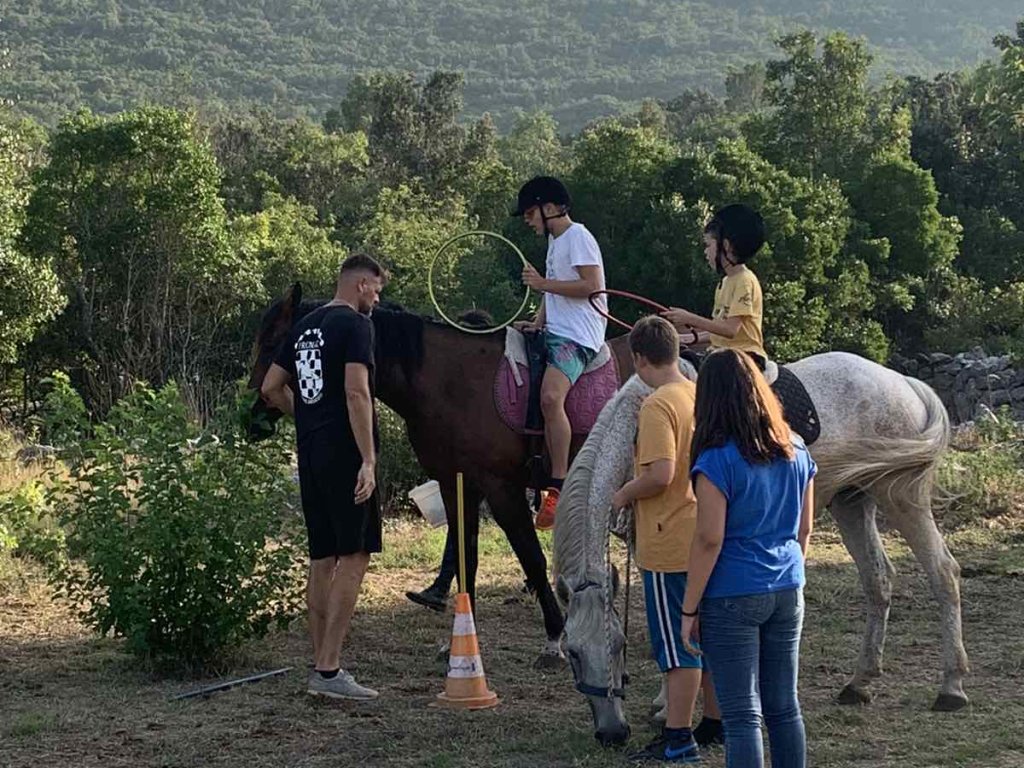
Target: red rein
634, 297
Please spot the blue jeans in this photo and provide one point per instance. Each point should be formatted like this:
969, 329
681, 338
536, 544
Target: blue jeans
753, 644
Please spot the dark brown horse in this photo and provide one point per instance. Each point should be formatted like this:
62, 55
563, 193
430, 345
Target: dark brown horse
440, 381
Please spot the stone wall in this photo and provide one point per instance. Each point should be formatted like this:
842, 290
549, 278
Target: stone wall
970, 383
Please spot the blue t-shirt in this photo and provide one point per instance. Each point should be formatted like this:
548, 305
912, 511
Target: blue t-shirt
760, 552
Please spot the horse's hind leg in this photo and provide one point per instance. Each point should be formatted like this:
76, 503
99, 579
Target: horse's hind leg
854, 513
508, 505
918, 527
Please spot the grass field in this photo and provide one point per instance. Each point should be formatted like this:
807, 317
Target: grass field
68, 698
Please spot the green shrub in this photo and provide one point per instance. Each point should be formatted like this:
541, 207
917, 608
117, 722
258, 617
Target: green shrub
984, 473
65, 418
974, 315
179, 538
398, 470
28, 528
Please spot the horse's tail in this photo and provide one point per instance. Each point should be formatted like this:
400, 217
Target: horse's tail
894, 467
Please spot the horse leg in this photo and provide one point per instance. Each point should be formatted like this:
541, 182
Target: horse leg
660, 704
508, 505
854, 513
471, 517
918, 527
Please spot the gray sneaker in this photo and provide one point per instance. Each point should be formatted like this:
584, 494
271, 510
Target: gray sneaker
343, 686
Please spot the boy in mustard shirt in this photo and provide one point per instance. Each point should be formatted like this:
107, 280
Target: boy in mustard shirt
665, 518
731, 238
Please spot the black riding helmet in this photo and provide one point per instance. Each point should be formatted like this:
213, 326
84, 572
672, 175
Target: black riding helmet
540, 190
742, 226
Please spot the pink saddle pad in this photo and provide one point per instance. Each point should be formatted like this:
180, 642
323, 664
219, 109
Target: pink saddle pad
585, 401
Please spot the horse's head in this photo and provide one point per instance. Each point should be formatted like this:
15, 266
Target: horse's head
274, 326
593, 635
595, 644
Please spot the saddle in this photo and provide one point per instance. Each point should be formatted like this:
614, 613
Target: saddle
797, 406
517, 384
518, 378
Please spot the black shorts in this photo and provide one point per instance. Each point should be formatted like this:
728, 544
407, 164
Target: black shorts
336, 525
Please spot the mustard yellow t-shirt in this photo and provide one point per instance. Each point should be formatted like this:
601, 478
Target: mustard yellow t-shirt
739, 295
665, 523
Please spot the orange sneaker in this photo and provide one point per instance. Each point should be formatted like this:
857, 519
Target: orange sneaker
546, 517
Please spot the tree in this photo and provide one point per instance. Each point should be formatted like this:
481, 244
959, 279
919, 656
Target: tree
532, 147
285, 240
827, 122
820, 122
260, 154
29, 293
405, 229
412, 128
744, 88
127, 211
616, 174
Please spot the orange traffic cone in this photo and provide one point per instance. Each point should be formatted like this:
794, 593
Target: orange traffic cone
465, 687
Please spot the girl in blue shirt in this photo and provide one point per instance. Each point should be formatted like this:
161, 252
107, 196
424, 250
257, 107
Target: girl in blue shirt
754, 484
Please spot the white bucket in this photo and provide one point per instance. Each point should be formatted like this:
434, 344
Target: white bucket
427, 498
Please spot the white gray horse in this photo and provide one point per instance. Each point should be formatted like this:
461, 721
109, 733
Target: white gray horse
882, 435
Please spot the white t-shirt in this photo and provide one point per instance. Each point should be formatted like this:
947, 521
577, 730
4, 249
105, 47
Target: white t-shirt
574, 318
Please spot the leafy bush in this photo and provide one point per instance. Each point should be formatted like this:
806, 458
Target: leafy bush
398, 470
65, 418
984, 474
28, 527
973, 315
177, 536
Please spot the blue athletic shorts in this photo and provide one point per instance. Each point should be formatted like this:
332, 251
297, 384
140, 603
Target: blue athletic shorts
663, 594
568, 356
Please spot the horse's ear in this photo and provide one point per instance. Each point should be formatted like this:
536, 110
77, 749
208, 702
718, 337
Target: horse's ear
289, 304
562, 591
294, 295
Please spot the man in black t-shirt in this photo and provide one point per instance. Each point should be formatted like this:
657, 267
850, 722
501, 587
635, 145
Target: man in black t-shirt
323, 375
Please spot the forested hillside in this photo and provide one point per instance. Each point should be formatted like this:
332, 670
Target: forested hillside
576, 60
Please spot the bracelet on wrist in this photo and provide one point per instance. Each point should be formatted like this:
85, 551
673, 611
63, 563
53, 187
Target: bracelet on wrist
691, 615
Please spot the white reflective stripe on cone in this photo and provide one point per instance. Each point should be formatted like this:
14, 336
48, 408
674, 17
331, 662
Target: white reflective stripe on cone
465, 666
463, 624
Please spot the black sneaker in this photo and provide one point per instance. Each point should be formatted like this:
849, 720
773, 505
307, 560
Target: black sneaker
666, 750
431, 597
709, 733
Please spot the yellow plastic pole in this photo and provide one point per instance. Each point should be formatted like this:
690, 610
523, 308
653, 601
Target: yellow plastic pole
462, 534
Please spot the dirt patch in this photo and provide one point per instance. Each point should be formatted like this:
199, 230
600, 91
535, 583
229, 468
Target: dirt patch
69, 699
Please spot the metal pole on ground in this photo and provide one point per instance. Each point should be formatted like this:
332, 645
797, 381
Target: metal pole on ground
230, 684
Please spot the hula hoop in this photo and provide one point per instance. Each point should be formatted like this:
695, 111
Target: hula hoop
430, 280
627, 295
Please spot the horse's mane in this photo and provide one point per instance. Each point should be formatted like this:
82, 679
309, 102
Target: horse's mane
398, 332
604, 461
399, 336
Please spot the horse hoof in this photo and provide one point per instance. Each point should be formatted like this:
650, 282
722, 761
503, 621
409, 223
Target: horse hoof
949, 702
549, 661
850, 696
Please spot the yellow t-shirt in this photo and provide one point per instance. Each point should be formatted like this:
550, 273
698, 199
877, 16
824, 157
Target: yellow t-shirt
665, 523
739, 295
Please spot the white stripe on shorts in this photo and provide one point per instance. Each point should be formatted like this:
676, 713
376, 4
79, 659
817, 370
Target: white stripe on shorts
665, 619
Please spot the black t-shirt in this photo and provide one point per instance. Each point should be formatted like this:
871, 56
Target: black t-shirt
315, 354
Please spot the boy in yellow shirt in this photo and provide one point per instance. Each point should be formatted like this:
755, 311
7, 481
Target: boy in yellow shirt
665, 518
731, 238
